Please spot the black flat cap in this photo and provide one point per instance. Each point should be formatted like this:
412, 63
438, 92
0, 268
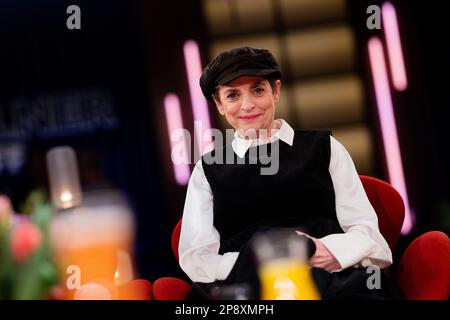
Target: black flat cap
235, 63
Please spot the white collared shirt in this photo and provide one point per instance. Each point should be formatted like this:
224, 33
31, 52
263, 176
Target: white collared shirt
284, 132
361, 244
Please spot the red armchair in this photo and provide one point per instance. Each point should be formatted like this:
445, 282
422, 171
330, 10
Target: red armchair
424, 269
170, 288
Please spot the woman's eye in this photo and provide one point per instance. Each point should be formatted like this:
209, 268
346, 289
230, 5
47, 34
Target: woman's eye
232, 95
258, 91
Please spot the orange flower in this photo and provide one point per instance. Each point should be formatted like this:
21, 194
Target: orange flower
25, 239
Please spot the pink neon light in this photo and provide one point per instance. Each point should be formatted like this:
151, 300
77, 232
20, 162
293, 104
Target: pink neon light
198, 101
388, 127
394, 46
175, 122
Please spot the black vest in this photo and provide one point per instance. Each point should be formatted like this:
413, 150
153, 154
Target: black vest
299, 195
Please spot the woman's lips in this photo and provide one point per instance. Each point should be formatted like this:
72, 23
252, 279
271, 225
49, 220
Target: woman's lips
249, 117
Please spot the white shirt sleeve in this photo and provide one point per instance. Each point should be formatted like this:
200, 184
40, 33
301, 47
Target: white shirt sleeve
199, 239
362, 243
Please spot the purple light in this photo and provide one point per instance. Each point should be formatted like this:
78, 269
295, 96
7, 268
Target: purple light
175, 125
198, 101
394, 46
388, 126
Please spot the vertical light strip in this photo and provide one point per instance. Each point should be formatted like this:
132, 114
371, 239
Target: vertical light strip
394, 46
175, 123
388, 126
198, 101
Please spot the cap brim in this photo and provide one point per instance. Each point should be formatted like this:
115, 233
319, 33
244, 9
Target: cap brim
246, 72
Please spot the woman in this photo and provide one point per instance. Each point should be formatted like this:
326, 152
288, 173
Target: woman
315, 191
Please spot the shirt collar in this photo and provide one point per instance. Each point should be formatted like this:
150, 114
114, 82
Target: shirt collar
285, 133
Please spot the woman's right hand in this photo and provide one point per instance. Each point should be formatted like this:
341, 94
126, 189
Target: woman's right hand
322, 258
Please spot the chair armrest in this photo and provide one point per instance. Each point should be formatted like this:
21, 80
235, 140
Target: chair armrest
170, 288
424, 270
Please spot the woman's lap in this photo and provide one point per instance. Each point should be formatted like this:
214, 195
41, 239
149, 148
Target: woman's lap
351, 283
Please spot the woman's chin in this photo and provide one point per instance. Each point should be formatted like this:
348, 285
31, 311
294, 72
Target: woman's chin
250, 125
249, 128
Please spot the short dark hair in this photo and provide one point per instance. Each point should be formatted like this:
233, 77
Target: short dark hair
216, 95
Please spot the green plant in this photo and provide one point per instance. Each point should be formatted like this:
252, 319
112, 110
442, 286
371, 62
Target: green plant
27, 267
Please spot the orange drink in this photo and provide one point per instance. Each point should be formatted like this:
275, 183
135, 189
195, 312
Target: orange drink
287, 279
283, 268
89, 241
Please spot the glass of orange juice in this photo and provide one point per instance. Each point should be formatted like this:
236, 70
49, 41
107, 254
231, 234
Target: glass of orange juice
283, 267
89, 241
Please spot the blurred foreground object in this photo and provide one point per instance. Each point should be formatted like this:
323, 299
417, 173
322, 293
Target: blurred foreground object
93, 244
92, 236
232, 292
64, 179
283, 267
27, 268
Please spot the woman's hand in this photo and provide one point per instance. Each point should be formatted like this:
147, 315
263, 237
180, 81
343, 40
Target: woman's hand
322, 258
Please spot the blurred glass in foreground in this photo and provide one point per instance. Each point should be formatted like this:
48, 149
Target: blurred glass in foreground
283, 266
232, 292
93, 244
92, 236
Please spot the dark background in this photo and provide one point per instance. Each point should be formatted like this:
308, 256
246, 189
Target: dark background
133, 51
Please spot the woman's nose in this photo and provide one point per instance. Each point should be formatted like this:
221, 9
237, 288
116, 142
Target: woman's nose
247, 104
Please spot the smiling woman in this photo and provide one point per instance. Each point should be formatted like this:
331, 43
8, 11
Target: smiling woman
248, 104
314, 195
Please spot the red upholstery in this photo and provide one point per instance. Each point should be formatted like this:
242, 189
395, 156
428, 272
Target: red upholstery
416, 282
176, 238
169, 288
424, 270
138, 289
388, 204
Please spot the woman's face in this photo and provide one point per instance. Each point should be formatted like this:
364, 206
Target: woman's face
248, 103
